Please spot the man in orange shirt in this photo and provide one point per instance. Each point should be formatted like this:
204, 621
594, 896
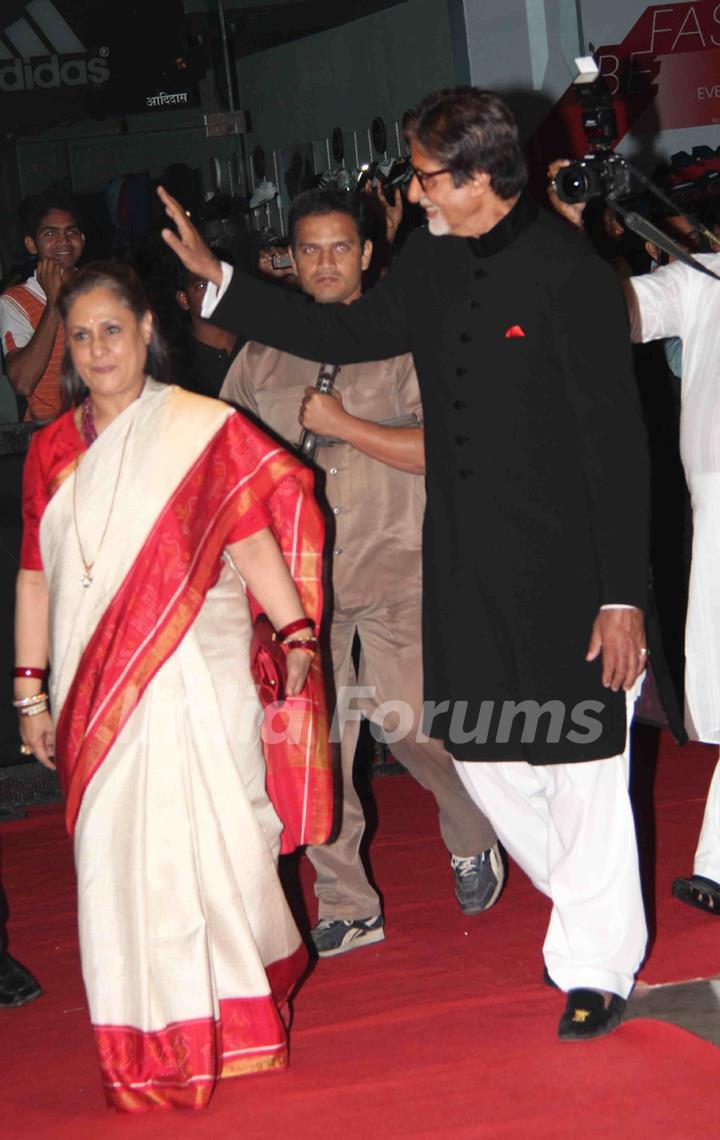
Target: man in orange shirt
32, 337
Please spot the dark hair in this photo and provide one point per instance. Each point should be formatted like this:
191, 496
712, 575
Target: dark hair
314, 203
34, 209
470, 130
127, 287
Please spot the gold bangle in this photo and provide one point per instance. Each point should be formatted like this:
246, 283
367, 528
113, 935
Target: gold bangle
35, 710
27, 702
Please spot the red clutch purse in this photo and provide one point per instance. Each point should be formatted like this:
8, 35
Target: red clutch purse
268, 664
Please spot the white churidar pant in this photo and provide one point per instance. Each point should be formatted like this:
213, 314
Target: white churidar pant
570, 828
707, 856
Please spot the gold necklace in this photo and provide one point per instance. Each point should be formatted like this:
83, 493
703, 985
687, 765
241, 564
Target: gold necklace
87, 577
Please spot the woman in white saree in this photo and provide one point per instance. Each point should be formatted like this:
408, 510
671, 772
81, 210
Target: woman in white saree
147, 509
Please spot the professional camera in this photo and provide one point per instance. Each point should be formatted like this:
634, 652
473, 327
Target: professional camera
602, 173
599, 175
388, 175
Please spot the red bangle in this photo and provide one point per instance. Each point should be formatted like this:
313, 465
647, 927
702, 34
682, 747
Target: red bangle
27, 671
293, 627
309, 645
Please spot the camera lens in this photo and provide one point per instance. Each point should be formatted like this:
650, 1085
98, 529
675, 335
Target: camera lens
571, 184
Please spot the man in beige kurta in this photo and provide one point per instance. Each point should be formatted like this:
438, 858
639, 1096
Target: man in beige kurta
377, 511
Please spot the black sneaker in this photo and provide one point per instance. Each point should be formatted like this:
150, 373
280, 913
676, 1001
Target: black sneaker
479, 879
338, 935
17, 985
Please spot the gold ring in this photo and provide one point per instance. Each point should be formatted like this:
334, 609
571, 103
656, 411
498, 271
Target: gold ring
25, 750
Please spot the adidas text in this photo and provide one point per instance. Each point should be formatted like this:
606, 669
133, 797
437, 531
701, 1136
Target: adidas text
22, 76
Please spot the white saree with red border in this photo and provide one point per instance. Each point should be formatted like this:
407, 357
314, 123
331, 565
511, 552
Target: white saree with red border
188, 946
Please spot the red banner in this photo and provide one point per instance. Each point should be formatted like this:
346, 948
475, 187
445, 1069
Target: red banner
668, 65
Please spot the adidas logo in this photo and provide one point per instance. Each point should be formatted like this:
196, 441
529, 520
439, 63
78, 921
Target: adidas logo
44, 33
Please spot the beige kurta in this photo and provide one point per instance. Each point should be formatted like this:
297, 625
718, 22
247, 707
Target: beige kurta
368, 499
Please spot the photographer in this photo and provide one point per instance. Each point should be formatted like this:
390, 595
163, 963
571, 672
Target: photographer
206, 351
274, 260
678, 301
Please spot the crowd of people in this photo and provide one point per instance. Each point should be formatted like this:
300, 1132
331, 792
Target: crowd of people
477, 508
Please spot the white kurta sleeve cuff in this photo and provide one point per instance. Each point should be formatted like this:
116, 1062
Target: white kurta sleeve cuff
215, 293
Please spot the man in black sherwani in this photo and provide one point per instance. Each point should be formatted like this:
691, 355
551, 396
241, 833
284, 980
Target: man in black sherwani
534, 545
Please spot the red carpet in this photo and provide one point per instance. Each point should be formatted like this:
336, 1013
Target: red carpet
443, 1030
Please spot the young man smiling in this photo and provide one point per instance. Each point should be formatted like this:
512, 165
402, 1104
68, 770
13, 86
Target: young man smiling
32, 337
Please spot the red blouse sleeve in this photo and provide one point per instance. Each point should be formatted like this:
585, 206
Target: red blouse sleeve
35, 496
51, 456
252, 520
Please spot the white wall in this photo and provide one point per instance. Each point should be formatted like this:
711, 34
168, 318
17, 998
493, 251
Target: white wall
380, 65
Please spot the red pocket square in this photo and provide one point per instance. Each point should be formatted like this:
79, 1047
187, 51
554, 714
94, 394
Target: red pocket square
514, 330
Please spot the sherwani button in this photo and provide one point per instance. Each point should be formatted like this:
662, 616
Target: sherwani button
333, 471
459, 405
465, 338
336, 510
460, 371
480, 273
465, 472
461, 439
475, 304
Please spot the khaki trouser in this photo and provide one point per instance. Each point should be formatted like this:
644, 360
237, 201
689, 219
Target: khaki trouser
390, 663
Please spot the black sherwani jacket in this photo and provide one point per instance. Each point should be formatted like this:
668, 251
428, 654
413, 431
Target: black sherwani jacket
537, 499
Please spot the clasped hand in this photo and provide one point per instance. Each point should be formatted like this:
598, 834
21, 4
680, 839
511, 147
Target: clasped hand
50, 275
322, 413
298, 667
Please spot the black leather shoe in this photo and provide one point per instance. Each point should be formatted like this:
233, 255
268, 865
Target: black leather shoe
547, 980
700, 892
17, 985
586, 1016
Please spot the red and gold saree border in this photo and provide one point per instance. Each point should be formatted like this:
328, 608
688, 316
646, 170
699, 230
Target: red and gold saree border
178, 1066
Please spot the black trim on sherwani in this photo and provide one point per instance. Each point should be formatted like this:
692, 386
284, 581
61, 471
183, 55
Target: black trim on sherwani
537, 473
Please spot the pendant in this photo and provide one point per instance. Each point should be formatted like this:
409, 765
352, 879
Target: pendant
86, 579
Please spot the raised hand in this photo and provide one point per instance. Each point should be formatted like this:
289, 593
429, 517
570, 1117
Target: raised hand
187, 244
393, 214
